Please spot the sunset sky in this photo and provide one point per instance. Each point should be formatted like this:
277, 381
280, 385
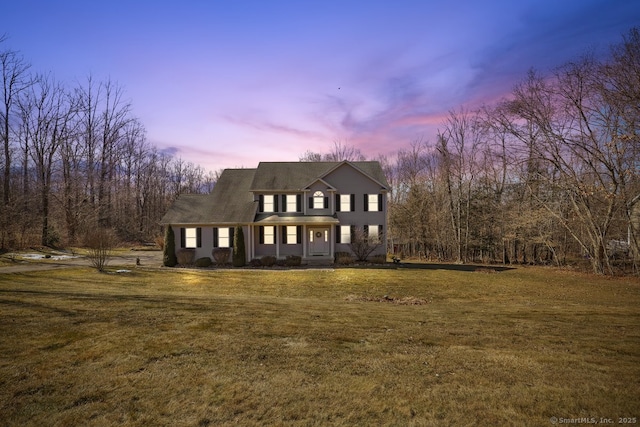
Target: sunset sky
231, 83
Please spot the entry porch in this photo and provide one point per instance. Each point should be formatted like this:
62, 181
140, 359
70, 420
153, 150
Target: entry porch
310, 237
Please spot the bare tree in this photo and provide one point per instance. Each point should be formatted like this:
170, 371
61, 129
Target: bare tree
458, 146
100, 243
620, 89
340, 151
115, 117
310, 156
47, 111
574, 133
14, 79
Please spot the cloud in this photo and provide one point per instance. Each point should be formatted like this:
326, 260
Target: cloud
263, 125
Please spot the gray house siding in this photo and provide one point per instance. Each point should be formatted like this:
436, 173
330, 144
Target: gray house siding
207, 238
347, 180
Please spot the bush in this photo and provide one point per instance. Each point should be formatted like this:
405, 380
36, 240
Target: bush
186, 256
362, 245
203, 262
239, 254
221, 255
52, 239
159, 241
169, 248
268, 260
293, 261
255, 263
99, 242
345, 259
378, 259
338, 255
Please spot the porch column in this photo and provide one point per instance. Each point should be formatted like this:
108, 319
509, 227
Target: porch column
252, 243
305, 241
332, 238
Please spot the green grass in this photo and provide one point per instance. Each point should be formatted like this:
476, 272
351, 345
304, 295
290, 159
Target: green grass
312, 347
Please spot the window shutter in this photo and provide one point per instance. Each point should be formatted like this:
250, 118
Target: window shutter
338, 204
379, 202
326, 203
261, 228
299, 203
284, 234
284, 202
352, 232
337, 234
199, 237
275, 203
299, 234
215, 237
366, 203
352, 206
261, 203
182, 238
231, 234
310, 202
366, 231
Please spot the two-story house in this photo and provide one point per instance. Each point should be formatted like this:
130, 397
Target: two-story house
309, 209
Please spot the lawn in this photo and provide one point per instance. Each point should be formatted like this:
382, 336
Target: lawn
317, 347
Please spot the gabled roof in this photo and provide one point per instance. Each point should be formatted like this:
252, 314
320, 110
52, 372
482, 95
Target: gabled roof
321, 181
230, 202
295, 176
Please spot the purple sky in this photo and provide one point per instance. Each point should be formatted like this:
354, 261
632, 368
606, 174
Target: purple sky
231, 83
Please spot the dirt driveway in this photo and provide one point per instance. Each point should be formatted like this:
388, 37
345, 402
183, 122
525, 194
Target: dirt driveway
124, 259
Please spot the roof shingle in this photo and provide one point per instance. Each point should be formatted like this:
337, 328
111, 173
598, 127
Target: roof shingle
230, 202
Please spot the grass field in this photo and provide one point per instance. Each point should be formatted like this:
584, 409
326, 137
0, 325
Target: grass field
317, 347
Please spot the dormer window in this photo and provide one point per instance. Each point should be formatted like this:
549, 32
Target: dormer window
318, 200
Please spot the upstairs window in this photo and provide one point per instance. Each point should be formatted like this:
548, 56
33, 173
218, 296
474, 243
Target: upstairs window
345, 202
373, 202
292, 202
318, 200
267, 203
291, 205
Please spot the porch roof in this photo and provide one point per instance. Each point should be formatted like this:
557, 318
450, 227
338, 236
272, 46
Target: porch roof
298, 220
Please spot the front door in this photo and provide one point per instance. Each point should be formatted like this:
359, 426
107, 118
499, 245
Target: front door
319, 241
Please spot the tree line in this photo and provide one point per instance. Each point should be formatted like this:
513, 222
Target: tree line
75, 158
548, 175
